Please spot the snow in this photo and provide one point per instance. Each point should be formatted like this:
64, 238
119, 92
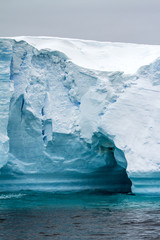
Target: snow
102, 56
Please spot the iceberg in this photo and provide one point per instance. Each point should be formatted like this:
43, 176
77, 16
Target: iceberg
79, 115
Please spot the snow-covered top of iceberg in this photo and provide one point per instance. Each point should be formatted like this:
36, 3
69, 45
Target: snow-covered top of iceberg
103, 56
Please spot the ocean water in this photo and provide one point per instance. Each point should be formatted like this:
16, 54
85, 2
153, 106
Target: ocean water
40, 216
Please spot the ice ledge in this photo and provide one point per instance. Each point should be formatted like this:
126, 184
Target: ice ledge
145, 182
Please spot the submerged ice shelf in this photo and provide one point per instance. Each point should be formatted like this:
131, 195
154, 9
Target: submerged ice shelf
79, 115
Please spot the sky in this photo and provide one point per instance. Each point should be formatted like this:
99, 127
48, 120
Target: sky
135, 21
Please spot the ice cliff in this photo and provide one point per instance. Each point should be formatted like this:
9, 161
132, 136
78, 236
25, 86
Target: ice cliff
79, 115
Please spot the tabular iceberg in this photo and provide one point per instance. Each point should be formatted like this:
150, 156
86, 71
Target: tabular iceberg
79, 115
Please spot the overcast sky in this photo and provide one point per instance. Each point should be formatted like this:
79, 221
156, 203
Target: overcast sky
105, 20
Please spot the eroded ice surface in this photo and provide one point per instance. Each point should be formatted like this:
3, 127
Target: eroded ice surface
76, 115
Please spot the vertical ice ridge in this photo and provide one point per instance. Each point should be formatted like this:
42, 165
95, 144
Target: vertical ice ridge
5, 59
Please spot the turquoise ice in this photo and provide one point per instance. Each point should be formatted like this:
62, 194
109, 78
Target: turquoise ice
67, 127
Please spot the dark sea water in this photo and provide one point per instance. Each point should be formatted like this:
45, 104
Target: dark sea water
42, 216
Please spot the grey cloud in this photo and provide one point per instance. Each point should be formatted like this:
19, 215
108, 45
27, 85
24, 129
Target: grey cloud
104, 20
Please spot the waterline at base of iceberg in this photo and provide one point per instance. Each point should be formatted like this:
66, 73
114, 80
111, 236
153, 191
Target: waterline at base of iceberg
108, 180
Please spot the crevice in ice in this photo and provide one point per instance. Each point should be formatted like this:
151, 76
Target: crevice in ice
46, 126
11, 69
42, 111
23, 101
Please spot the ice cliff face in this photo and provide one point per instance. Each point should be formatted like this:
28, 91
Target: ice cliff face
79, 115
